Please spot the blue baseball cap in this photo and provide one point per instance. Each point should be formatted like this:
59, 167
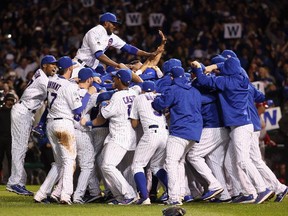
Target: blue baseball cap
100, 69
177, 72
65, 62
109, 17
167, 65
228, 54
48, 59
85, 73
125, 75
149, 74
110, 69
148, 86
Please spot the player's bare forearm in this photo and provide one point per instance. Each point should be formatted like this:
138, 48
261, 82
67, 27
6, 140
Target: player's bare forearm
107, 61
100, 120
136, 78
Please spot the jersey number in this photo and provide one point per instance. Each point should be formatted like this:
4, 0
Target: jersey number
129, 109
54, 96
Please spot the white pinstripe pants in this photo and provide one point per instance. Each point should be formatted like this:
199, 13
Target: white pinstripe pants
176, 150
119, 186
269, 177
241, 144
21, 124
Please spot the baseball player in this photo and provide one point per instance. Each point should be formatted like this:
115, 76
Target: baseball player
153, 142
21, 122
99, 133
121, 139
85, 150
64, 105
98, 39
255, 154
166, 81
184, 103
232, 86
213, 136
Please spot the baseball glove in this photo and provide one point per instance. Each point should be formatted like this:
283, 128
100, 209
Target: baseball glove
38, 131
174, 211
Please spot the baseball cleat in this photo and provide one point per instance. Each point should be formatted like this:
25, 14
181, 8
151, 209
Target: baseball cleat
66, 202
54, 199
281, 196
30, 193
17, 189
113, 202
153, 198
188, 198
127, 201
262, 196
244, 199
164, 197
44, 201
143, 201
210, 194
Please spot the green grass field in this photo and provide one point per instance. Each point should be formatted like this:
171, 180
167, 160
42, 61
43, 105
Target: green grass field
12, 204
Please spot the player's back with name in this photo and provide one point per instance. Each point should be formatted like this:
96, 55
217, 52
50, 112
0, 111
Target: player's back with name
118, 111
142, 109
63, 97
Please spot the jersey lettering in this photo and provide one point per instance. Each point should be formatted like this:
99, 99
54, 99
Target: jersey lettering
149, 97
128, 99
53, 85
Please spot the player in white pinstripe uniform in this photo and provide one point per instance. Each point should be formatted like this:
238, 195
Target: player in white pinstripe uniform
121, 139
152, 145
21, 122
255, 154
98, 39
64, 105
99, 134
85, 150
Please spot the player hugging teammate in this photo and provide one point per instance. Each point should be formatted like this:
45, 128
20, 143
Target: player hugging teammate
193, 132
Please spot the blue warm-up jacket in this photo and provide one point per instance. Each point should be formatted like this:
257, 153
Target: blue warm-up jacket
184, 103
232, 86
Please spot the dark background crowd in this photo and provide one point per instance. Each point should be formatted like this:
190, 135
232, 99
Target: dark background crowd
30, 29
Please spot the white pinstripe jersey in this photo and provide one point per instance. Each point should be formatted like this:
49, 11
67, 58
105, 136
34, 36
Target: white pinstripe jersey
63, 97
143, 111
118, 112
36, 91
91, 103
97, 39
